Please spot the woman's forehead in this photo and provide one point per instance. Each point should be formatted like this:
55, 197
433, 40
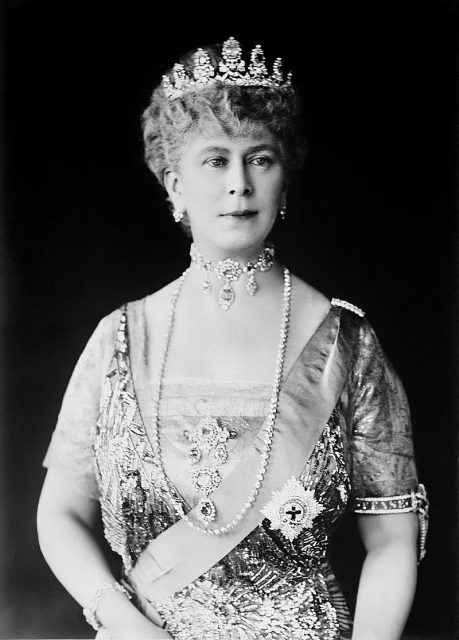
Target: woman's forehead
200, 142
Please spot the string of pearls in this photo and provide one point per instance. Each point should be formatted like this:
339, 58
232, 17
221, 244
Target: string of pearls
269, 429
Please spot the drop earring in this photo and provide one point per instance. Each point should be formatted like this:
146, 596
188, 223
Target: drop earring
283, 212
178, 215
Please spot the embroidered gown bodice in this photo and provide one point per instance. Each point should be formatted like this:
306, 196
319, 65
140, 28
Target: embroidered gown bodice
267, 586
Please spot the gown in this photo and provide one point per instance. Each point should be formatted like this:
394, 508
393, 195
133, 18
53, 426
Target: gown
269, 585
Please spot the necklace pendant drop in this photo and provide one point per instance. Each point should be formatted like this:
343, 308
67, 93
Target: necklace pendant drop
205, 479
207, 511
206, 285
208, 437
194, 455
251, 286
226, 296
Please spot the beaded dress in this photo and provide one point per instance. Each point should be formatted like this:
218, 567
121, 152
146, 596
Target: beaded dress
267, 586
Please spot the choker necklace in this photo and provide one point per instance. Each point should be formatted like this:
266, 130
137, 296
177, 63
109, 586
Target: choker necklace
207, 510
230, 270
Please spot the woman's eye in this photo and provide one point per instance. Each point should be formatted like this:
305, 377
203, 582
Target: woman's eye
261, 161
216, 162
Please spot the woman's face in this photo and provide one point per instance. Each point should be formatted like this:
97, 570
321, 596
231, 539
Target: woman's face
231, 188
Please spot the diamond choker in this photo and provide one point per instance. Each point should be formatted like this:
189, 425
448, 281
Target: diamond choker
230, 270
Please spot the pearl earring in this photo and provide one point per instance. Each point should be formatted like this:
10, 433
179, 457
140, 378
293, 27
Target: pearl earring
283, 212
178, 215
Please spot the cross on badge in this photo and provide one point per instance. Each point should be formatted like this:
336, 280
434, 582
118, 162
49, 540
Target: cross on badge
294, 512
292, 509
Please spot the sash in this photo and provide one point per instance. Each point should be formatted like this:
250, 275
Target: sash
180, 554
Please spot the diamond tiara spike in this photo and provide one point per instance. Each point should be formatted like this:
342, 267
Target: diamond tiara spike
278, 76
203, 69
232, 67
231, 71
257, 67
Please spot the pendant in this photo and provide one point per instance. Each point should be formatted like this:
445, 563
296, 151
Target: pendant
205, 479
228, 270
251, 285
207, 437
194, 455
221, 454
226, 296
292, 509
206, 285
206, 510
208, 434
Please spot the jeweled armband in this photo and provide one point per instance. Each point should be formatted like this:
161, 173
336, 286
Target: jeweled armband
416, 502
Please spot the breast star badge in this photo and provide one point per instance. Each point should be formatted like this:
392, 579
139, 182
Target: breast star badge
292, 509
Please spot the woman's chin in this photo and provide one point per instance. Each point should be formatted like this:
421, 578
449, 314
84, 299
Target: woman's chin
239, 237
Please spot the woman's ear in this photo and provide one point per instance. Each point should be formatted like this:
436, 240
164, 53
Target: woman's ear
172, 184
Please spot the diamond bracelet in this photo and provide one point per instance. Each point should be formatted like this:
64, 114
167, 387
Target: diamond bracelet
90, 612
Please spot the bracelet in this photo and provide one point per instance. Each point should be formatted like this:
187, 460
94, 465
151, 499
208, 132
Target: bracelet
90, 612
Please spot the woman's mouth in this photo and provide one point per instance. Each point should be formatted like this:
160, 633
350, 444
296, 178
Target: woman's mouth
244, 214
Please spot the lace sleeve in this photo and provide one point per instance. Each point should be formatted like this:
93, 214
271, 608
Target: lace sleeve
70, 450
384, 478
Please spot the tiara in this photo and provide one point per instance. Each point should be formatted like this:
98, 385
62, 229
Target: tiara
231, 70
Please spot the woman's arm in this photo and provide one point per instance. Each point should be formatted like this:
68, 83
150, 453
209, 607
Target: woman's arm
66, 521
388, 578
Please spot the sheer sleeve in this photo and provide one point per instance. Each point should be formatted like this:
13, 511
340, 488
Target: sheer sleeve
70, 450
383, 477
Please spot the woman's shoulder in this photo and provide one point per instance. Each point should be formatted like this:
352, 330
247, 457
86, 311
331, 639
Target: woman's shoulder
308, 300
315, 300
311, 307
152, 307
159, 299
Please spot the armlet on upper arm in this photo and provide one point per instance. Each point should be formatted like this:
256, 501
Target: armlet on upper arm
416, 502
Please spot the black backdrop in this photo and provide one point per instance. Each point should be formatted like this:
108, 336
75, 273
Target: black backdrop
371, 219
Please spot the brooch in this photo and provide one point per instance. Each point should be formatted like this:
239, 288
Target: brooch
292, 509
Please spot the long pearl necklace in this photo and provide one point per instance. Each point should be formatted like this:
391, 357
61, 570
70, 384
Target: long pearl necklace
269, 429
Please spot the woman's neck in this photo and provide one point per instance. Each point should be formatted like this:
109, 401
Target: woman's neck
213, 254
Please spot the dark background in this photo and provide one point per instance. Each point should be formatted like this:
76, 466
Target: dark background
85, 227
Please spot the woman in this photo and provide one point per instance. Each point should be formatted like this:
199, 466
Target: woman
222, 425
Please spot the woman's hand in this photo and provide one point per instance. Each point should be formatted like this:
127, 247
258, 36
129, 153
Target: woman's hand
124, 621
66, 522
141, 629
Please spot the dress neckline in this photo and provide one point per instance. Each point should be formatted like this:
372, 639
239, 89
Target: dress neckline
200, 380
141, 320
138, 352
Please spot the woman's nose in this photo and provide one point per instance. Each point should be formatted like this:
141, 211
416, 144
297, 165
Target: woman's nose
238, 181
